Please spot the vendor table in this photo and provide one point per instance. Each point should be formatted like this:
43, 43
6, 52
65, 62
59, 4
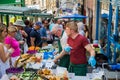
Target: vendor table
80, 78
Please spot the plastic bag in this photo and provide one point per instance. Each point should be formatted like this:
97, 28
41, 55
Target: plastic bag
25, 47
5, 77
48, 55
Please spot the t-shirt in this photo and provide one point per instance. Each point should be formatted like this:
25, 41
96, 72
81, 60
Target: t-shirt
43, 32
14, 44
63, 39
35, 34
78, 51
18, 36
51, 26
62, 42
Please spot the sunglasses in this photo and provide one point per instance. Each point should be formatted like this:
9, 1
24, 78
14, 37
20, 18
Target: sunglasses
45, 23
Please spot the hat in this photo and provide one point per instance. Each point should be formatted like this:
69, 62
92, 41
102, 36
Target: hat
19, 22
38, 24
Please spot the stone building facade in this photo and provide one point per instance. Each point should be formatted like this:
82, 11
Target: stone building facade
42, 4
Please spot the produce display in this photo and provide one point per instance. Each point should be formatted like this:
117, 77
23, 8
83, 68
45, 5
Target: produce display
36, 64
34, 48
29, 75
43, 74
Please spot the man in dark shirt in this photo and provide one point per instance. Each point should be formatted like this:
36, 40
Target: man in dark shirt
35, 35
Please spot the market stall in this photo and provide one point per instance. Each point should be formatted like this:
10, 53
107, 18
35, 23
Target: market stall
37, 64
112, 44
7, 11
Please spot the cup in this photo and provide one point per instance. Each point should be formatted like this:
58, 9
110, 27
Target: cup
60, 71
89, 76
71, 76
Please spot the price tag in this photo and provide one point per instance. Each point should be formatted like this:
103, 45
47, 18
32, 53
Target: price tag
48, 65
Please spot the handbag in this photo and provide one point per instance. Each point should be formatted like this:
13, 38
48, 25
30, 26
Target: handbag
12, 69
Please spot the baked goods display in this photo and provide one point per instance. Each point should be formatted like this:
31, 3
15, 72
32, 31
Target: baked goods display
44, 72
26, 58
21, 60
34, 59
47, 73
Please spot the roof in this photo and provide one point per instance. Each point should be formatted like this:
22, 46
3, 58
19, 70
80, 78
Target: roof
23, 11
18, 10
42, 14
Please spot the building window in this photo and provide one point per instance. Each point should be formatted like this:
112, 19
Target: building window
42, 2
33, 2
105, 6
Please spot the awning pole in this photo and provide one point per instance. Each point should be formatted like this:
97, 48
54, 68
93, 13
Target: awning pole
109, 32
97, 19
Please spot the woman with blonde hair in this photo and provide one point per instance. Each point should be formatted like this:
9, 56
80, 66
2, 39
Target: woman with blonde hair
4, 52
11, 42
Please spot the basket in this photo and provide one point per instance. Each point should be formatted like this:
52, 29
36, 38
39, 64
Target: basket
14, 70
